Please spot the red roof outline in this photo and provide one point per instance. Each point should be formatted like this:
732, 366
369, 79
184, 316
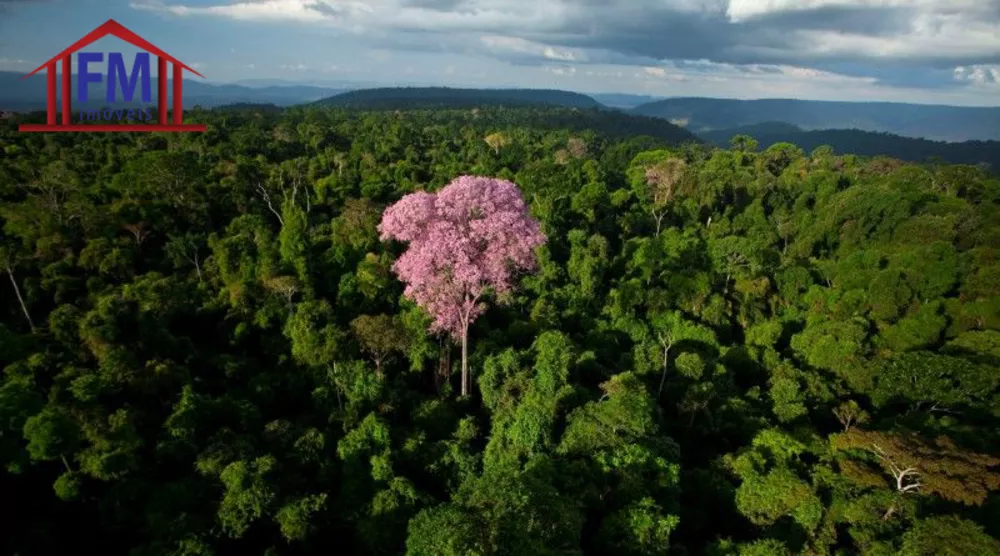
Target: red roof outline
112, 27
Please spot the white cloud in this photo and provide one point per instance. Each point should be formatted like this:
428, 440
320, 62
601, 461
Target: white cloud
979, 74
684, 70
511, 44
934, 29
750, 47
815, 75
294, 67
940, 29
515, 46
261, 10
251, 66
930, 37
742, 10
13, 62
562, 55
374, 13
566, 71
662, 73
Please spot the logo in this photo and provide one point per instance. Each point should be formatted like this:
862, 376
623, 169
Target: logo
129, 79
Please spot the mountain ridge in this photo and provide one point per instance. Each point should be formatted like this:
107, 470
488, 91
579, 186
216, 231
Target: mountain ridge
924, 121
936, 123
28, 94
455, 97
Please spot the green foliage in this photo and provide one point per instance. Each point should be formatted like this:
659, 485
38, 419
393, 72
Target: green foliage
67, 486
444, 530
767, 498
51, 434
204, 349
948, 535
247, 496
293, 518
641, 528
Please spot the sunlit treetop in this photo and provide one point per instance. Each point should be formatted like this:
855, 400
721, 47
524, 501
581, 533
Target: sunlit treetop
473, 234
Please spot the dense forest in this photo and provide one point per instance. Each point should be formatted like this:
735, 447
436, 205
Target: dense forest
866, 143
229, 342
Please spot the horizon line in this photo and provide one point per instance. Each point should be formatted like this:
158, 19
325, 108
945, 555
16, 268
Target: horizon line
352, 85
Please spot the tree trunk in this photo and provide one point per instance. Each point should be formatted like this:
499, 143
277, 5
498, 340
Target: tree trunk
663, 376
197, 266
442, 366
465, 360
336, 387
17, 292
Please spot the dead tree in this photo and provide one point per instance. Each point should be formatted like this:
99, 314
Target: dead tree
8, 262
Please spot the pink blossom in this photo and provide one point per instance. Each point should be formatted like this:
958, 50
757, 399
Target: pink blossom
473, 234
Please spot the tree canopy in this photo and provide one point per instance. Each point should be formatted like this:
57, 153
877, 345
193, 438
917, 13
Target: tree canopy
246, 341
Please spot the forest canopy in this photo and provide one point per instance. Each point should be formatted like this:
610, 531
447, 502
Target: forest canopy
207, 349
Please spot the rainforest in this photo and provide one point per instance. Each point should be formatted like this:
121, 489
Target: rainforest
517, 331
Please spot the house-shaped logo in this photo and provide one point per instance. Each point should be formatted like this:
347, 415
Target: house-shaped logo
116, 74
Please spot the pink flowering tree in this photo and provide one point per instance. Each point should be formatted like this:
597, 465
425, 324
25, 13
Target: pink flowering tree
469, 238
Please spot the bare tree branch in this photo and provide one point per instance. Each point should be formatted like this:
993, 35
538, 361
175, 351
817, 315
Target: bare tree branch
267, 199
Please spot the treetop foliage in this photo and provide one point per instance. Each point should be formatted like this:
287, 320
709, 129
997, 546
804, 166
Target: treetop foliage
243, 341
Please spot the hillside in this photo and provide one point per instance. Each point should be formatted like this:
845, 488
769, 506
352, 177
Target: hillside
396, 98
864, 143
939, 123
610, 123
248, 107
622, 100
29, 94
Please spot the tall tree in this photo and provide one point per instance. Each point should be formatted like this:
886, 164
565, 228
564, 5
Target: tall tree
380, 336
465, 240
662, 180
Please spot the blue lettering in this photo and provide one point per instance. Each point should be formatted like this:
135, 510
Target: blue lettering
140, 73
84, 76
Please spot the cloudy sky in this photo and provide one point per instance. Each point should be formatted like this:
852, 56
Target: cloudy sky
928, 51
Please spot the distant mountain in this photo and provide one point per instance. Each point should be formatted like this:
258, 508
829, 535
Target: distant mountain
401, 98
610, 123
941, 123
29, 94
864, 143
622, 100
755, 130
240, 106
344, 85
